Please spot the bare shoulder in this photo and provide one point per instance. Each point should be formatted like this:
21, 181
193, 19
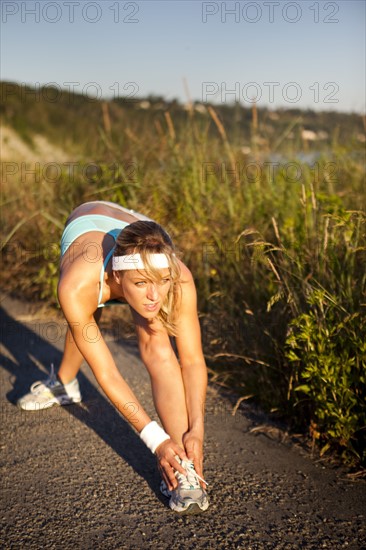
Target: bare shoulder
185, 273
188, 336
188, 300
78, 285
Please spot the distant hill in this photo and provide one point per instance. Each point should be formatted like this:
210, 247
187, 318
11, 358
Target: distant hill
77, 123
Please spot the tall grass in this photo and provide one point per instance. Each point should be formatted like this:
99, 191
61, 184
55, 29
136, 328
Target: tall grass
277, 252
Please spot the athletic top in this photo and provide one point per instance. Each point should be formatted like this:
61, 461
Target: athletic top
94, 222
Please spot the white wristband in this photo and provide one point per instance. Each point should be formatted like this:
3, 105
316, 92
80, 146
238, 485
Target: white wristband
152, 435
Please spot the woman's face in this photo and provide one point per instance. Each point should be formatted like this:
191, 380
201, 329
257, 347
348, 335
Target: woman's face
142, 293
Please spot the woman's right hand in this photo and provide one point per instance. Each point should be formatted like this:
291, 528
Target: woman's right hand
167, 463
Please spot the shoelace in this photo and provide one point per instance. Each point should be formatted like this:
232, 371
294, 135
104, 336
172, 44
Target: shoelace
191, 480
39, 386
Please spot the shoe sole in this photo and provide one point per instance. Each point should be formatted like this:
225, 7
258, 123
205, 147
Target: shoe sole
60, 403
192, 510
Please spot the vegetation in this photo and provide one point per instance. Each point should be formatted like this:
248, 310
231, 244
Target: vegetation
270, 219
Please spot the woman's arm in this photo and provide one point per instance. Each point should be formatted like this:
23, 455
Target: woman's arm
77, 305
194, 371
78, 301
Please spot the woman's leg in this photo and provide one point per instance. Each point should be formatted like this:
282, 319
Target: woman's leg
129, 211
72, 358
169, 399
166, 379
106, 209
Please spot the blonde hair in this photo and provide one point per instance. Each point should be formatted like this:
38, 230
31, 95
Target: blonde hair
145, 238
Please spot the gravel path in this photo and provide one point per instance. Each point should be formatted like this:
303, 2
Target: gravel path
79, 477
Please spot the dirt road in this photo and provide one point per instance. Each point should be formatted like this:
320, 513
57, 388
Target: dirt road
79, 477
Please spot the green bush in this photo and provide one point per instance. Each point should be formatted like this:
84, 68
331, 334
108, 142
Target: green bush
320, 275
326, 349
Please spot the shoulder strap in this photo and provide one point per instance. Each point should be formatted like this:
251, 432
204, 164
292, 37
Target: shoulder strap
114, 233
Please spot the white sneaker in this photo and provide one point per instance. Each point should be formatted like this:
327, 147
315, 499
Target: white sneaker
51, 392
188, 497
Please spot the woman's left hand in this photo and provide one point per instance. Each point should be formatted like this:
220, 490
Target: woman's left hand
193, 445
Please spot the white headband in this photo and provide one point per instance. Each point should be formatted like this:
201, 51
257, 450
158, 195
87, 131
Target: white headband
134, 261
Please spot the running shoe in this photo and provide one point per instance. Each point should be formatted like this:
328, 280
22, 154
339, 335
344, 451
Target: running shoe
51, 392
188, 497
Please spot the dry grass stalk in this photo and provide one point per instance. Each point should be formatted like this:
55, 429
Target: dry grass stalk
237, 404
254, 117
169, 122
218, 123
275, 227
106, 118
129, 133
223, 134
274, 269
16, 227
190, 103
326, 234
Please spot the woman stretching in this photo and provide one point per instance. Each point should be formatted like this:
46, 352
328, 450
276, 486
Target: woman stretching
110, 255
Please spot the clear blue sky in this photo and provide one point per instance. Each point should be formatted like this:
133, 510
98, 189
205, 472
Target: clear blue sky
308, 54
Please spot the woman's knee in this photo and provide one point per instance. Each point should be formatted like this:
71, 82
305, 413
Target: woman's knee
160, 359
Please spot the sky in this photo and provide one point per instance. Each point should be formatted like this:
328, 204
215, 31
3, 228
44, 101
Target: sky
304, 54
